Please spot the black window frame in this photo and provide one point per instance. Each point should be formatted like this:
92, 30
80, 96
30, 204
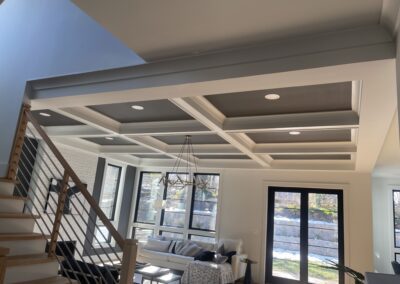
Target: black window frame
165, 199
138, 198
304, 192
193, 200
394, 217
112, 218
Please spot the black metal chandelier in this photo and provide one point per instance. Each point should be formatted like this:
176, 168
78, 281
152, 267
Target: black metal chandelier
185, 166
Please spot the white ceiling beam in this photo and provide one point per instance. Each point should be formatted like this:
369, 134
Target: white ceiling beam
74, 131
191, 76
313, 165
306, 148
164, 127
106, 124
313, 120
202, 110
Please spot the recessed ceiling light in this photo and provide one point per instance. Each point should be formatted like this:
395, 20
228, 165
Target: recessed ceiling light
272, 97
45, 114
294, 132
110, 138
137, 107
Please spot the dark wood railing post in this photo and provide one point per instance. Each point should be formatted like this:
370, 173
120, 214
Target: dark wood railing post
18, 144
3, 263
62, 195
128, 261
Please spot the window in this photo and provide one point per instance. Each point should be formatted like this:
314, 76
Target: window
149, 187
175, 206
203, 239
396, 217
204, 204
304, 232
176, 212
171, 235
141, 234
108, 201
109, 194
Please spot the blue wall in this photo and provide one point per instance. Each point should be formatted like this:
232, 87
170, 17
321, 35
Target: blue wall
46, 38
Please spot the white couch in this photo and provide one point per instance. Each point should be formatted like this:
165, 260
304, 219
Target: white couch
179, 262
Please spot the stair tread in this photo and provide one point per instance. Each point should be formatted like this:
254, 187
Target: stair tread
14, 197
50, 280
22, 236
18, 216
30, 259
8, 180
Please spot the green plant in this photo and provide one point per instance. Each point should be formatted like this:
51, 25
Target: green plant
357, 276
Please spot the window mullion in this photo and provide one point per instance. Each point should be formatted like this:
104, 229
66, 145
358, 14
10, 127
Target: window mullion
304, 237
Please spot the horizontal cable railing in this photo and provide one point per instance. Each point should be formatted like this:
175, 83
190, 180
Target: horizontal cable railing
81, 237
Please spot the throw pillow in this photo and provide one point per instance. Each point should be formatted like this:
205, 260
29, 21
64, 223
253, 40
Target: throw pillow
179, 246
205, 256
191, 249
157, 245
229, 256
172, 247
221, 249
220, 259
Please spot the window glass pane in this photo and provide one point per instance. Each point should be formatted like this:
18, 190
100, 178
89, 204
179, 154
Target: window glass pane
172, 235
102, 235
110, 191
396, 209
141, 234
286, 239
323, 237
148, 192
204, 211
203, 239
175, 206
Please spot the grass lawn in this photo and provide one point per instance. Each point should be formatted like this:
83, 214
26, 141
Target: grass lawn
292, 268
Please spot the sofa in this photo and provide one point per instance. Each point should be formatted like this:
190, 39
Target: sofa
162, 256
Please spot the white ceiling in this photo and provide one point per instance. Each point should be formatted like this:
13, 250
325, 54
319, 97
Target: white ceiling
158, 29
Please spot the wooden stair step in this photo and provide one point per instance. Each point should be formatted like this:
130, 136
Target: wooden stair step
22, 237
32, 259
6, 180
12, 197
18, 216
51, 280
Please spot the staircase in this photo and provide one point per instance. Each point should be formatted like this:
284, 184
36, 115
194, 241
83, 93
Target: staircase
26, 260
34, 227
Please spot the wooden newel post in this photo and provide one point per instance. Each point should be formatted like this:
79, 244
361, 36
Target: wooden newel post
3, 263
18, 144
62, 195
128, 261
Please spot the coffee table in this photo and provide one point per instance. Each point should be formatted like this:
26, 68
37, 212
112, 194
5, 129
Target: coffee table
152, 272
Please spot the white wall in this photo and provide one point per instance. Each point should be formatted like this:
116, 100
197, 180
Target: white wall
242, 212
45, 38
383, 222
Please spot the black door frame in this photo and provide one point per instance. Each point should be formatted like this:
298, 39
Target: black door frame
303, 232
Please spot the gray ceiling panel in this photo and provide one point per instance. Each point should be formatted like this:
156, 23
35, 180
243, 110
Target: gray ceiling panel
54, 119
196, 139
158, 110
105, 142
223, 157
333, 135
312, 157
315, 98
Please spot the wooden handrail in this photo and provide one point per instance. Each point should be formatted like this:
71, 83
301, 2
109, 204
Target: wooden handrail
18, 144
68, 171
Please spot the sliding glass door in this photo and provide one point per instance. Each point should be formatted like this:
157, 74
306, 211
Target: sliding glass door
304, 234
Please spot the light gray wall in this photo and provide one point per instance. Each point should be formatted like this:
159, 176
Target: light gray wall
45, 38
